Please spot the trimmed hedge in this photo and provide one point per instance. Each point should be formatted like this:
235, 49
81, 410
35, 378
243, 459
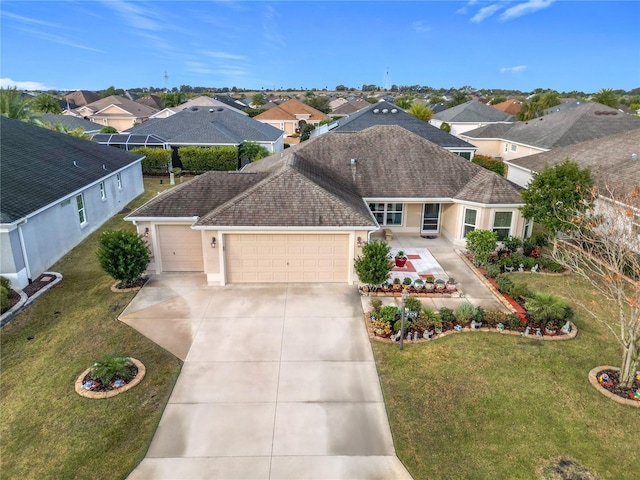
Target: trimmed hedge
156, 161
198, 160
490, 164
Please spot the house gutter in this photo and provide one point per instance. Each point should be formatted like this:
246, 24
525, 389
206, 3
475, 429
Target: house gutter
23, 247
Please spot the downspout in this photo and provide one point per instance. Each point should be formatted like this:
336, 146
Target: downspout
23, 249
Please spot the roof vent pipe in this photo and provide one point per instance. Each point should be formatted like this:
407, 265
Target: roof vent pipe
634, 156
353, 161
75, 164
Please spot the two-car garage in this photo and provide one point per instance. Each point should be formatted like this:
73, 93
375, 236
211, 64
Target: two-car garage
258, 257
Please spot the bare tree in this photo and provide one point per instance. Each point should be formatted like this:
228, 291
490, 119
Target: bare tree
605, 251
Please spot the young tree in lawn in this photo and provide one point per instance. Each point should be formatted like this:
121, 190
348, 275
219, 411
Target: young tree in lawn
481, 243
605, 252
124, 255
555, 195
305, 131
374, 265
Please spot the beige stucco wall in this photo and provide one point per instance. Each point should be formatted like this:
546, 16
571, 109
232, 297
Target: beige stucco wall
491, 148
211, 255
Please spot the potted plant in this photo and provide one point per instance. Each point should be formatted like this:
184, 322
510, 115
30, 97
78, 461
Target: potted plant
440, 285
406, 283
418, 284
451, 283
400, 259
429, 283
397, 285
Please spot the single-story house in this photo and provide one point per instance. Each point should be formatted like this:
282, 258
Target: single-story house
385, 113
511, 106
290, 116
470, 115
202, 101
71, 123
56, 190
303, 214
115, 111
569, 126
198, 126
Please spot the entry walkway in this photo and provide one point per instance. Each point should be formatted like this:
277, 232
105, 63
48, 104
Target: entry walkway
278, 382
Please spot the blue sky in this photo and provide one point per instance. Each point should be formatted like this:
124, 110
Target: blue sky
523, 44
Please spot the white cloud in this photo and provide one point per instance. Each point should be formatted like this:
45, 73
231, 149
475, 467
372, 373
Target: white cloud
28, 85
525, 8
27, 20
135, 15
516, 69
485, 12
420, 27
231, 56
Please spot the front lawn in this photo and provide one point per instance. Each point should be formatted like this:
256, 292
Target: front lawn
46, 429
485, 405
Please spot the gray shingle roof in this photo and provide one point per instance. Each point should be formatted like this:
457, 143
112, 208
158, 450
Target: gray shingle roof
70, 122
473, 111
314, 184
385, 113
208, 126
38, 169
573, 125
609, 158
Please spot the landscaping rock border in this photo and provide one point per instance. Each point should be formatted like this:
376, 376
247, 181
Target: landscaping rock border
593, 380
25, 300
111, 393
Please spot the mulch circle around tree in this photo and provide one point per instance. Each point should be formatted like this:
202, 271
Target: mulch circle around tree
118, 386
605, 380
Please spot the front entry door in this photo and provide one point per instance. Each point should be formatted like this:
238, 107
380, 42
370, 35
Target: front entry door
430, 218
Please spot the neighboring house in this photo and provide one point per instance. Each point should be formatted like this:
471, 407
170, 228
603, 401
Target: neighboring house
385, 113
202, 101
611, 160
303, 214
567, 127
231, 102
56, 190
117, 112
564, 106
470, 115
82, 97
153, 101
291, 116
348, 108
198, 126
71, 123
512, 106
336, 102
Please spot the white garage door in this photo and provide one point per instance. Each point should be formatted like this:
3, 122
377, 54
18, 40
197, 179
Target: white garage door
180, 249
286, 258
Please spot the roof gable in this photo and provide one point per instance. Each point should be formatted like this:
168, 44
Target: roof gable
473, 112
40, 166
292, 110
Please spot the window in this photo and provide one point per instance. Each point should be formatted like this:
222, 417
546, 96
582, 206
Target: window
81, 213
527, 228
103, 192
514, 147
470, 217
506, 147
466, 155
119, 181
387, 213
502, 224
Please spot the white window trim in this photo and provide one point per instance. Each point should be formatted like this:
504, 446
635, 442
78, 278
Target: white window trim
81, 210
465, 224
103, 191
386, 211
514, 147
119, 180
493, 222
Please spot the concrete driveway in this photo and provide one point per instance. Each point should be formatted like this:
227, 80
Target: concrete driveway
278, 382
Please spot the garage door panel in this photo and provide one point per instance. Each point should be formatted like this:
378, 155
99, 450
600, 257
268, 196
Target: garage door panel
286, 258
180, 249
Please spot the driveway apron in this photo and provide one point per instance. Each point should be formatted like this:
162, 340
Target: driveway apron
278, 382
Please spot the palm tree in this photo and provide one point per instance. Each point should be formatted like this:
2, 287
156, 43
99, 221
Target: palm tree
14, 105
545, 307
420, 111
530, 110
606, 96
45, 103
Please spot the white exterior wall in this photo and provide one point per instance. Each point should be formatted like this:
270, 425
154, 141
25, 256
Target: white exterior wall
518, 175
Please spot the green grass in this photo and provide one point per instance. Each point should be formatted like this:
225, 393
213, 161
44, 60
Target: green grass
483, 405
46, 429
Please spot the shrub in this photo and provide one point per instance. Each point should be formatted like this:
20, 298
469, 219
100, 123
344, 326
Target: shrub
372, 267
388, 313
108, 129
203, 159
5, 282
479, 315
445, 127
123, 254
110, 367
490, 164
512, 321
481, 243
422, 324
398, 325
252, 151
156, 161
494, 317
504, 283
381, 327
519, 291
555, 267
413, 304
429, 314
465, 312
4, 298
512, 244
493, 270
447, 315
376, 303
